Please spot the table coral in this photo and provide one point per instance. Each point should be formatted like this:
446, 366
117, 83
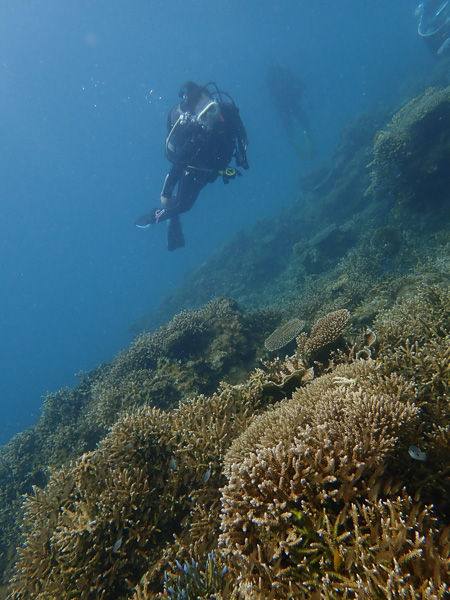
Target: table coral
283, 334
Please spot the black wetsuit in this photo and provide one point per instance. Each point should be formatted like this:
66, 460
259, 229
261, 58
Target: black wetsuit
198, 156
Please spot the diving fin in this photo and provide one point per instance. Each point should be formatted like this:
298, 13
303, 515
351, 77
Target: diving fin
156, 215
175, 237
146, 220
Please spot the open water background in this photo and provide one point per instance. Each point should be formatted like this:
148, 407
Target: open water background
85, 87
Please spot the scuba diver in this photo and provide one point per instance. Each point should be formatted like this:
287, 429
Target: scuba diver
434, 25
286, 91
204, 133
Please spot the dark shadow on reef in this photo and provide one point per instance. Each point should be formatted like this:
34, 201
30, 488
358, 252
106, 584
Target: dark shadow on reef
185, 449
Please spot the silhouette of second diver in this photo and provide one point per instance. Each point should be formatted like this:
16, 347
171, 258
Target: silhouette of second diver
286, 92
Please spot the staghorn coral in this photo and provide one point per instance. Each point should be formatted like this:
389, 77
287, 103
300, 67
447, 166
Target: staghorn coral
321, 492
149, 372
295, 476
110, 518
196, 581
418, 317
382, 549
96, 514
339, 395
188, 356
414, 340
283, 334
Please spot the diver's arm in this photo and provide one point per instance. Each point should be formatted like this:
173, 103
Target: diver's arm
241, 146
235, 126
241, 142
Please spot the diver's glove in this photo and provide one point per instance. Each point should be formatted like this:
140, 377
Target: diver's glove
241, 160
229, 173
165, 201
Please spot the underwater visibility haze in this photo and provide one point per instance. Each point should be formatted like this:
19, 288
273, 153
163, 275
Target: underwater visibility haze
85, 91
263, 413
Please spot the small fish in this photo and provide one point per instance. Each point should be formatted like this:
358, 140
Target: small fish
173, 464
417, 454
117, 545
207, 475
337, 559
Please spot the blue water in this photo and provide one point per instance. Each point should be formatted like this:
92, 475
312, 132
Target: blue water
85, 87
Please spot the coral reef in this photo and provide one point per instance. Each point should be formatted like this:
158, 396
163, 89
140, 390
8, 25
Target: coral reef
412, 154
325, 331
188, 356
323, 474
151, 489
104, 521
321, 495
283, 334
311, 484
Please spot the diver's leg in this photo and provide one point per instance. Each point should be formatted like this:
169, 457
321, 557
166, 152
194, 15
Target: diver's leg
306, 148
175, 237
302, 118
189, 188
288, 124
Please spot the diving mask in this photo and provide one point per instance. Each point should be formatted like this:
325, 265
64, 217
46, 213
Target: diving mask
209, 114
432, 17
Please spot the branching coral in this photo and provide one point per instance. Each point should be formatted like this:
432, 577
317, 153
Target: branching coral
298, 470
414, 338
188, 356
322, 500
110, 517
324, 332
83, 529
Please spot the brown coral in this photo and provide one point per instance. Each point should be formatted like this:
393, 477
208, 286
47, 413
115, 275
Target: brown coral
324, 332
327, 329
297, 471
113, 515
